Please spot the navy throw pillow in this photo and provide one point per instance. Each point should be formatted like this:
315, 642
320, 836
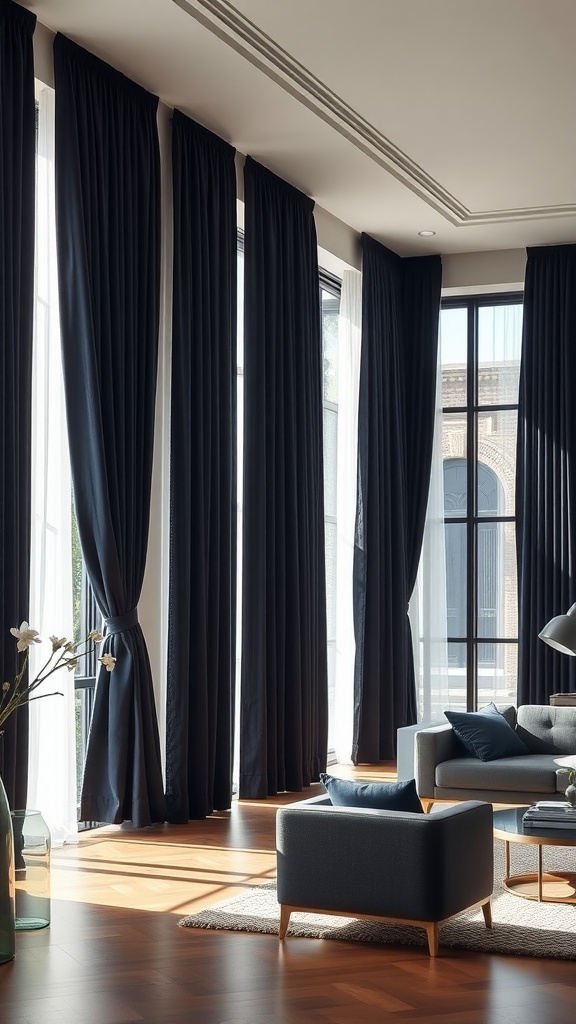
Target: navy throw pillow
486, 733
383, 796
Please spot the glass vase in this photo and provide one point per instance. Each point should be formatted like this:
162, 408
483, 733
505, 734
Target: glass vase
7, 934
570, 794
32, 870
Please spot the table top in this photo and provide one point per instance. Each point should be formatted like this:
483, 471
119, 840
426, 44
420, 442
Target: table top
508, 826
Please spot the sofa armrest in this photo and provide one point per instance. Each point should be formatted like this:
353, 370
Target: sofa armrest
389, 863
433, 745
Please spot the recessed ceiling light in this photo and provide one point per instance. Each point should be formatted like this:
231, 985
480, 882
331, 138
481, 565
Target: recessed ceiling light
426, 234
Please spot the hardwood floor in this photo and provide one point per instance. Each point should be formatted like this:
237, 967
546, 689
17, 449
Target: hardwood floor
114, 954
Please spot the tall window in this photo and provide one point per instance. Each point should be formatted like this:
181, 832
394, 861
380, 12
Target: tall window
86, 618
239, 500
51, 752
330, 299
480, 352
61, 601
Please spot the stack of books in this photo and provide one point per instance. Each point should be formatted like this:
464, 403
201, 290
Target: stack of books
550, 814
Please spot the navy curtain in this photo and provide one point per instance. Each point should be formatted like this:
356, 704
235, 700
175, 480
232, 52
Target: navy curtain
421, 283
107, 218
546, 469
202, 626
17, 170
400, 316
283, 727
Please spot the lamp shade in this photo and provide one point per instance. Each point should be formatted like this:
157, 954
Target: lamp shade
560, 632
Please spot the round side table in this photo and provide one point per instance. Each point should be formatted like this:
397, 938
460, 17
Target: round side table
544, 886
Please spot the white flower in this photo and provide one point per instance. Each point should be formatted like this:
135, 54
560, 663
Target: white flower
95, 636
26, 636
65, 654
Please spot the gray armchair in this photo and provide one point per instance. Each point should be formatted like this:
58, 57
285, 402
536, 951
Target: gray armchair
401, 867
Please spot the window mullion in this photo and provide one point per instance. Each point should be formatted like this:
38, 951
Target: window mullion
471, 508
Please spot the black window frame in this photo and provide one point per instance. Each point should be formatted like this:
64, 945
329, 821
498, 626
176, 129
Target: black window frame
85, 676
472, 304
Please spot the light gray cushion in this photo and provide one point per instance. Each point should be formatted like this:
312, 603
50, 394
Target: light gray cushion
547, 730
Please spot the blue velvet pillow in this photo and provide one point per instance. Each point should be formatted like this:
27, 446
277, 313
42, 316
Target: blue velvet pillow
486, 733
383, 796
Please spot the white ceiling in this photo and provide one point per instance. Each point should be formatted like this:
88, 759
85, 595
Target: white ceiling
394, 115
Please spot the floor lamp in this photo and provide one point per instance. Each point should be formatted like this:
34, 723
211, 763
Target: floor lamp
560, 632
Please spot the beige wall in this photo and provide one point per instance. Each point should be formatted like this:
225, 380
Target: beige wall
474, 273
43, 63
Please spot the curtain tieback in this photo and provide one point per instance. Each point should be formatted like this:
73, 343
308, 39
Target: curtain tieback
118, 623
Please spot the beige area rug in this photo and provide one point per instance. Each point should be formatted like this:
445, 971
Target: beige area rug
521, 927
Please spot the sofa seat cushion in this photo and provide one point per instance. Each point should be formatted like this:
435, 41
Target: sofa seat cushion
533, 773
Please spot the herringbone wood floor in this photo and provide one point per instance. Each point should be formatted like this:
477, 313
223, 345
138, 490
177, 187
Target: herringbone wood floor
114, 953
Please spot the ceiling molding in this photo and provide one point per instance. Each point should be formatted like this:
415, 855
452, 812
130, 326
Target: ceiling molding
225, 21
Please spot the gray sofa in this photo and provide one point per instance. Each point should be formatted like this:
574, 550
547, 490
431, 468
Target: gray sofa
401, 866
444, 771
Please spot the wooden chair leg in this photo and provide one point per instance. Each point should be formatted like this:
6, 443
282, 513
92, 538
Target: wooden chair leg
487, 911
432, 931
284, 920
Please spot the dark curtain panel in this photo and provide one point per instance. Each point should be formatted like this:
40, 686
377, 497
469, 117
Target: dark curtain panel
107, 218
421, 282
17, 171
202, 627
283, 729
546, 469
400, 314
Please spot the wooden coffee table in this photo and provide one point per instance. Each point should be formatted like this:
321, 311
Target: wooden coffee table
544, 886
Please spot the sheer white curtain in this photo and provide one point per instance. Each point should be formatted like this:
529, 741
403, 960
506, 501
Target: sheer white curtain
154, 598
349, 343
52, 757
427, 608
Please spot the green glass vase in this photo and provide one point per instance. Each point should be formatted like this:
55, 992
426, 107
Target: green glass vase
31, 870
7, 915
